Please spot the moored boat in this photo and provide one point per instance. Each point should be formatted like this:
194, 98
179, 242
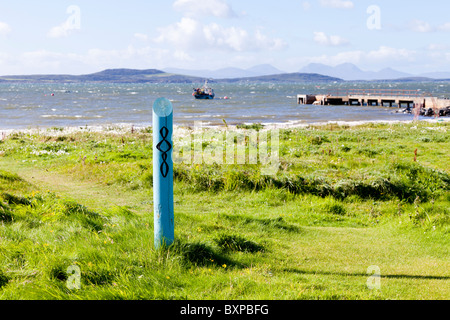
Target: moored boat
204, 93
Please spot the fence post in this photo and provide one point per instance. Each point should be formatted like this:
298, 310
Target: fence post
163, 173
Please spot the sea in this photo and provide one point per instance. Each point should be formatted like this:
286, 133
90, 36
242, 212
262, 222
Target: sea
39, 106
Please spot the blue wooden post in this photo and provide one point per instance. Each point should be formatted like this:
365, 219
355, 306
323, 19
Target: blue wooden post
163, 173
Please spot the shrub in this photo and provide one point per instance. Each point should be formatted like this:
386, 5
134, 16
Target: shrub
237, 243
58, 272
9, 177
6, 214
253, 126
12, 199
86, 217
334, 207
3, 279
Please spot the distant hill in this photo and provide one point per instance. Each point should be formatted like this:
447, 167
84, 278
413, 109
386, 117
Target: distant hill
436, 75
261, 73
349, 72
158, 76
285, 77
409, 79
229, 73
264, 70
111, 76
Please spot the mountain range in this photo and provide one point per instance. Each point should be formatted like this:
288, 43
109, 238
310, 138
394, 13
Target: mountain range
159, 76
345, 71
349, 72
229, 73
260, 73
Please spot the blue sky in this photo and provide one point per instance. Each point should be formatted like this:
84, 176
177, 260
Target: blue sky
80, 36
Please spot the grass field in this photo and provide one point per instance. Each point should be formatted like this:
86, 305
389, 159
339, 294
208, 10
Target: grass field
344, 202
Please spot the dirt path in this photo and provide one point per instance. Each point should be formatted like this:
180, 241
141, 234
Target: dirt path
92, 195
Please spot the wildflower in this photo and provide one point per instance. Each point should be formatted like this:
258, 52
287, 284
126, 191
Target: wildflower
224, 266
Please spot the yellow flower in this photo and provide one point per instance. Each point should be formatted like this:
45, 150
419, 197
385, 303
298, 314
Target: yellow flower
224, 266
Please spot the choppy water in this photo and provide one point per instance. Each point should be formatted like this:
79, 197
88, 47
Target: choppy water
25, 106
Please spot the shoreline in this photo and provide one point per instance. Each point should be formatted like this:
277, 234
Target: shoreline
127, 128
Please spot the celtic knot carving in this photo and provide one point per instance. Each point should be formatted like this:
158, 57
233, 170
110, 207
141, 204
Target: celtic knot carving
168, 146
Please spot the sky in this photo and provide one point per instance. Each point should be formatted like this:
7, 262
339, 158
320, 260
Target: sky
85, 36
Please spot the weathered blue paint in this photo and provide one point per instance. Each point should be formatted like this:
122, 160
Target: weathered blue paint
163, 173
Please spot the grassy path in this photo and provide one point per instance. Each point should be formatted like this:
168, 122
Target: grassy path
93, 195
302, 262
347, 202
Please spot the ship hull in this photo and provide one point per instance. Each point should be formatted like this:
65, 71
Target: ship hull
204, 97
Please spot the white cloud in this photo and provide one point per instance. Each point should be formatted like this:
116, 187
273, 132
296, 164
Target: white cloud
385, 53
72, 23
5, 29
192, 34
425, 27
444, 27
437, 47
183, 34
4, 59
141, 37
306, 5
325, 40
420, 26
342, 57
59, 31
92, 60
195, 8
131, 56
382, 56
182, 56
340, 4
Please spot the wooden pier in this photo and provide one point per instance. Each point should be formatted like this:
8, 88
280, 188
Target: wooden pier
376, 97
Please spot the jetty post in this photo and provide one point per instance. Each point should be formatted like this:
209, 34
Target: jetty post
163, 173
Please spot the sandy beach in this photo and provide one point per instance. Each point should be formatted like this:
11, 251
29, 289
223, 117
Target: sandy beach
118, 129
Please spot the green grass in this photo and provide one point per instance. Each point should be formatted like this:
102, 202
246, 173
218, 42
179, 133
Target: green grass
344, 199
